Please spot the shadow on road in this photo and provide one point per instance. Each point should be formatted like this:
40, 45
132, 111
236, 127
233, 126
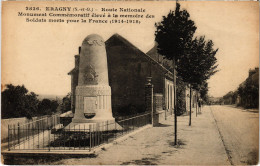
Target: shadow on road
163, 125
143, 161
180, 144
252, 158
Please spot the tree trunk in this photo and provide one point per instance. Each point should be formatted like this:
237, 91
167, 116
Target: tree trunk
175, 108
190, 106
196, 104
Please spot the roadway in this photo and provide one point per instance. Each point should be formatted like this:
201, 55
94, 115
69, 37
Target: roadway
239, 131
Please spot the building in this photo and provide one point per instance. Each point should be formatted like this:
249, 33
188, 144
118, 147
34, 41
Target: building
247, 94
169, 65
128, 68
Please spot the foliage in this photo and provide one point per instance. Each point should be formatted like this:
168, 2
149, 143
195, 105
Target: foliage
199, 64
249, 94
66, 103
230, 98
204, 92
47, 107
17, 101
173, 33
180, 94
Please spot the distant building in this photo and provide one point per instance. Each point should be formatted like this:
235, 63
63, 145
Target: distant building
248, 91
253, 77
215, 100
247, 94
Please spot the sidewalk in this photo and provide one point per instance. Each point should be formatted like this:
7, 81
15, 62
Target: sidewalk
200, 144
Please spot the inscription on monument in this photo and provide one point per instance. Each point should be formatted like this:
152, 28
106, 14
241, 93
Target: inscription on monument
90, 105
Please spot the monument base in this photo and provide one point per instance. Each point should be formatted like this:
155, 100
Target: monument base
96, 125
94, 120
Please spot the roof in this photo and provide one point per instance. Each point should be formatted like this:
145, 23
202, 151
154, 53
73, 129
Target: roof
254, 78
72, 71
153, 53
67, 114
116, 37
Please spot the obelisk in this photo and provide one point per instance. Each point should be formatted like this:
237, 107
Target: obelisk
93, 93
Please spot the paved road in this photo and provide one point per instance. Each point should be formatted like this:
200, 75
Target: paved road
239, 130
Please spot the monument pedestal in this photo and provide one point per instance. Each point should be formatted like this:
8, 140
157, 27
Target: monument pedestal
93, 104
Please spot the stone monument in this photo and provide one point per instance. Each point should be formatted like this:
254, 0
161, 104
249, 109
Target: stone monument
93, 93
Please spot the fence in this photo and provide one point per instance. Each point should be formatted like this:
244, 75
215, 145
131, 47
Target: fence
13, 122
54, 136
18, 134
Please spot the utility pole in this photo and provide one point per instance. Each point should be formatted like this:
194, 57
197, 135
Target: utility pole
190, 106
175, 107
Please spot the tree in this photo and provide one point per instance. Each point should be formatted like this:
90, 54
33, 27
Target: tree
18, 102
198, 64
180, 92
249, 94
204, 92
66, 103
47, 107
172, 35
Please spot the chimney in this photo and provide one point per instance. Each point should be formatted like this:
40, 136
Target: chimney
79, 50
77, 61
251, 72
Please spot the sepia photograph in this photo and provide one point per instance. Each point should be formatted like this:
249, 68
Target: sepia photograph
130, 83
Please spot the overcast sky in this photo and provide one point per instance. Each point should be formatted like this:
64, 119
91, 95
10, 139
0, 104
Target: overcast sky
39, 55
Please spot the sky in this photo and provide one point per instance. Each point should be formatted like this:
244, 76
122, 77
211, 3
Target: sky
39, 55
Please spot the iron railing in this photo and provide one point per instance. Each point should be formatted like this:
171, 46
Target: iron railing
49, 134
19, 133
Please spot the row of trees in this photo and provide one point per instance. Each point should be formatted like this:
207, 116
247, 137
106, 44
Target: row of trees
247, 95
193, 58
229, 98
17, 101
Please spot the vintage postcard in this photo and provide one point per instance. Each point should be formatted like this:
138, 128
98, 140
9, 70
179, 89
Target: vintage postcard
130, 83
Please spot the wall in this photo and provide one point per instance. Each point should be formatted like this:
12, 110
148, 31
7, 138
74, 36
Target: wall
169, 95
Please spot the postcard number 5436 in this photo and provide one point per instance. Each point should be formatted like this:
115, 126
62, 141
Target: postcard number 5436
32, 8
